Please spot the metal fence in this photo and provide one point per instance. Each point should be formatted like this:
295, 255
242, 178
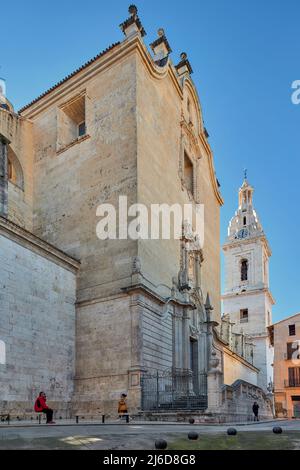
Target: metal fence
174, 390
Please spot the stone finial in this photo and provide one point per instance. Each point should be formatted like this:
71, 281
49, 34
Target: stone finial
133, 24
132, 10
161, 48
208, 306
184, 66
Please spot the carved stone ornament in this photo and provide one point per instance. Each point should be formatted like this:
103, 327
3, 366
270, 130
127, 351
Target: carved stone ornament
214, 361
136, 265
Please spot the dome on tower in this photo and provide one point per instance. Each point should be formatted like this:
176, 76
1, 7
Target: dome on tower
4, 102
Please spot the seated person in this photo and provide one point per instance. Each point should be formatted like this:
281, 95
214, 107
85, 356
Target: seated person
40, 406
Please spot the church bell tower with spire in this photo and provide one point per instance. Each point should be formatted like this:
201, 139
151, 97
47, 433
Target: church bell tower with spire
247, 298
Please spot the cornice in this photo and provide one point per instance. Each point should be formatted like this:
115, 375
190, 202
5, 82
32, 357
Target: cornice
188, 82
263, 290
118, 52
154, 295
112, 56
26, 239
247, 241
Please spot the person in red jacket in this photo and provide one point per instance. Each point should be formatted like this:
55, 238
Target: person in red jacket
41, 406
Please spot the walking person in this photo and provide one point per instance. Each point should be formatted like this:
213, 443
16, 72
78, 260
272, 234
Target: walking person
41, 406
255, 409
122, 406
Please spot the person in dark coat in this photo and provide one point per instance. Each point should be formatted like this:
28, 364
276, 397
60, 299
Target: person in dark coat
255, 409
41, 406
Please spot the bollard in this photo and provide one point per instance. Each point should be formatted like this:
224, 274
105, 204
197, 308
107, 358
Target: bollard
39, 419
161, 444
77, 419
8, 419
193, 436
277, 430
127, 418
231, 432
191, 421
103, 419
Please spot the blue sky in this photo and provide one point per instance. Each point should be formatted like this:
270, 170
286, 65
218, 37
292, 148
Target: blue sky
245, 55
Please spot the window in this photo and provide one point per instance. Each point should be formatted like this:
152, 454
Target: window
244, 270
293, 350
81, 129
188, 173
244, 315
10, 170
14, 169
189, 111
188, 106
294, 376
245, 220
71, 122
292, 330
2, 353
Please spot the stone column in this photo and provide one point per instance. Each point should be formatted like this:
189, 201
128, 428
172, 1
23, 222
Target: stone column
177, 319
214, 391
3, 178
136, 369
215, 377
186, 340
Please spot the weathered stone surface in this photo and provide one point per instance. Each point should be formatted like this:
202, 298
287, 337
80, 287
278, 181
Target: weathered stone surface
37, 326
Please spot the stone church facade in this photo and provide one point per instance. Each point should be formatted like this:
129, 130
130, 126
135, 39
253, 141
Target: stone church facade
85, 319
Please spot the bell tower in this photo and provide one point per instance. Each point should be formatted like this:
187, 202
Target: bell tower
247, 298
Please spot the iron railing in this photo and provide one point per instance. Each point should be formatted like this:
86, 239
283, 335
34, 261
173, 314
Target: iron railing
174, 390
292, 383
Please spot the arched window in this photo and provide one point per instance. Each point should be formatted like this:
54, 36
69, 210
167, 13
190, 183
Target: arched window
15, 172
244, 270
2, 352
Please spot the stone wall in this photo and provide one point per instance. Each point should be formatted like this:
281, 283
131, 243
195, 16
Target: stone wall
103, 355
163, 137
96, 169
238, 399
157, 334
37, 323
18, 134
236, 368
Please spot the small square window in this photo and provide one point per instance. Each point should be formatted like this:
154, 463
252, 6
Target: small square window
81, 129
71, 122
292, 330
188, 173
244, 315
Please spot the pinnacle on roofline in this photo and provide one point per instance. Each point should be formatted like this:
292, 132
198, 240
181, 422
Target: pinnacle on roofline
133, 24
184, 66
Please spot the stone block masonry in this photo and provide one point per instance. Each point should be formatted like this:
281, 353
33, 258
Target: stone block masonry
37, 323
